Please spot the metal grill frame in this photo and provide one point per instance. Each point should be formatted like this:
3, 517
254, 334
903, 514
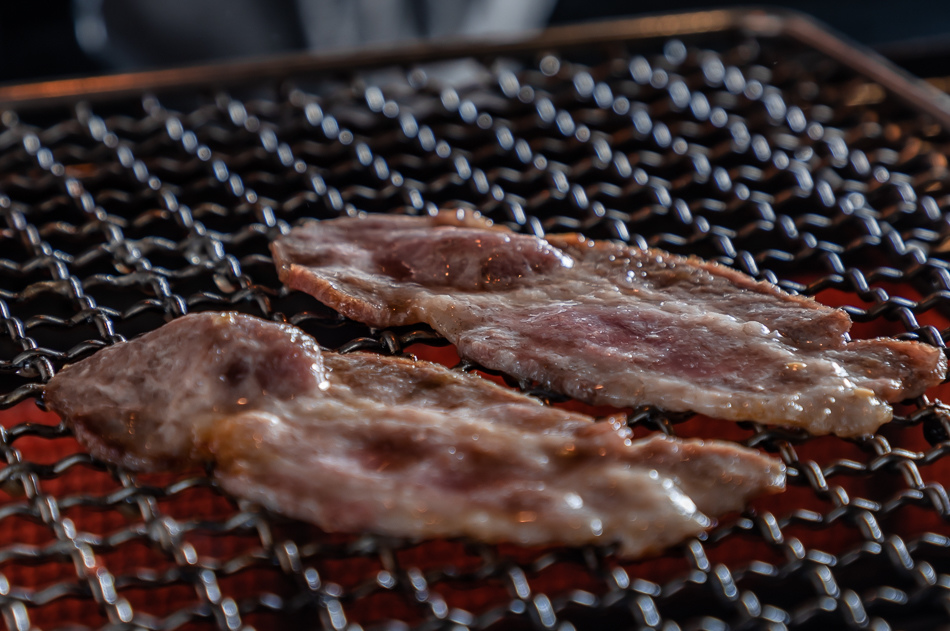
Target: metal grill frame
707, 593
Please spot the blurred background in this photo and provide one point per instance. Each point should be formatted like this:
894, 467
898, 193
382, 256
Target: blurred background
57, 38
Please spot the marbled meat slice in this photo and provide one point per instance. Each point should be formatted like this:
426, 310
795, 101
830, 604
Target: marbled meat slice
610, 324
362, 442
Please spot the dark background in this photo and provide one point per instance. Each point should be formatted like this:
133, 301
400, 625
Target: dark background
38, 39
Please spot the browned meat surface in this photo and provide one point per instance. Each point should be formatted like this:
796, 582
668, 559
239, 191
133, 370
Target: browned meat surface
362, 442
610, 324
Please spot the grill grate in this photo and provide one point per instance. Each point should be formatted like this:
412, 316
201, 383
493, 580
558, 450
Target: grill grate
756, 149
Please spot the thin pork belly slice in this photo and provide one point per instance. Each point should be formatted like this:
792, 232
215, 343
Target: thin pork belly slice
659, 278
610, 324
366, 443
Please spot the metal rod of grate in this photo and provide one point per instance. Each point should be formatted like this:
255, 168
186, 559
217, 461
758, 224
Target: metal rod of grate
757, 150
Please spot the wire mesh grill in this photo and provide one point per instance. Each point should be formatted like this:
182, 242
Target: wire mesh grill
757, 151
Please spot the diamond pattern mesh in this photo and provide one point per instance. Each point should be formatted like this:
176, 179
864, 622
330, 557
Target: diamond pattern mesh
759, 152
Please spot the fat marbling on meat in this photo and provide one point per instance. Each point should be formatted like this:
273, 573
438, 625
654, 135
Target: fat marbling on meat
362, 442
607, 323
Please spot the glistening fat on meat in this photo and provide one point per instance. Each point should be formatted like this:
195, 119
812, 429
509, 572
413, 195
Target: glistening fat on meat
610, 324
362, 442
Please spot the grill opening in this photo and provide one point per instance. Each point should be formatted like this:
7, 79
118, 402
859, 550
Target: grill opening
753, 147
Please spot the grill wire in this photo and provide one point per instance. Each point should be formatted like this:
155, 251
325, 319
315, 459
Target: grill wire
758, 152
